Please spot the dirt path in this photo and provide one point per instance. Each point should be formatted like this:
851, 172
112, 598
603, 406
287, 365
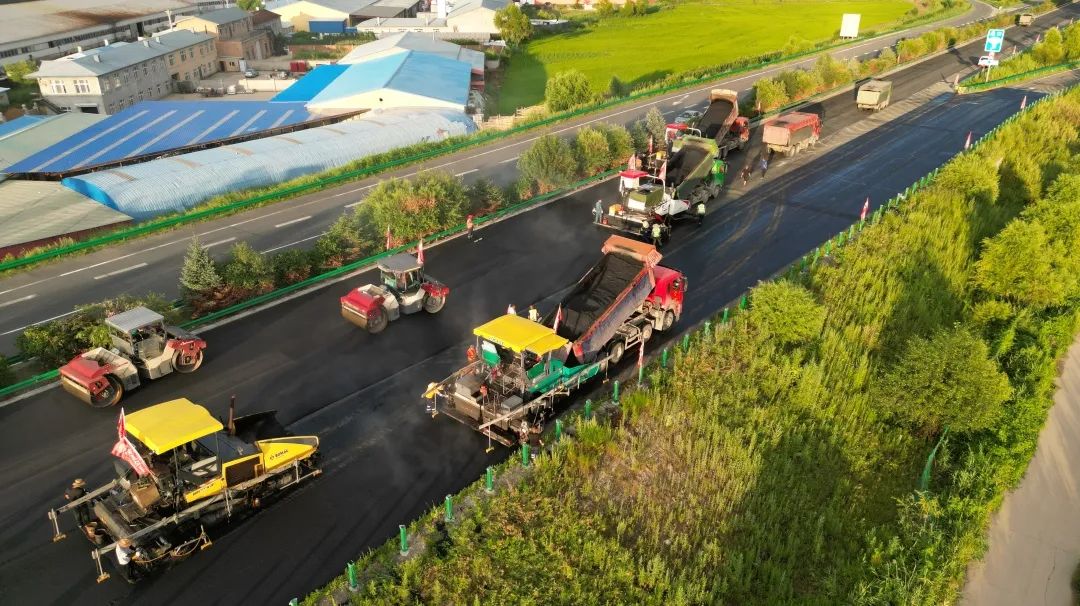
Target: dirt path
1034, 541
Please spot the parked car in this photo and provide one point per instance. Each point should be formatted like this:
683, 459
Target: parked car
688, 117
251, 73
987, 61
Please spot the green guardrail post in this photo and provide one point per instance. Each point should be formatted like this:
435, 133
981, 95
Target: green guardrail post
403, 539
744, 302
851, 230
707, 329
723, 318
840, 237
449, 508
686, 342
828, 247
525, 454
663, 358
817, 254
558, 429
489, 480
802, 267
294, 602
588, 409
615, 391
350, 571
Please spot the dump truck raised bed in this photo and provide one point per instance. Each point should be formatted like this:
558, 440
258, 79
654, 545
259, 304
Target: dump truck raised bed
1025, 19
720, 123
509, 390
404, 288
792, 132
874, 95
180, 471
143, 348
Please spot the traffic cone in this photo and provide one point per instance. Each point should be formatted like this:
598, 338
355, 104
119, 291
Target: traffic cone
865, 209
967, 144
1023, 102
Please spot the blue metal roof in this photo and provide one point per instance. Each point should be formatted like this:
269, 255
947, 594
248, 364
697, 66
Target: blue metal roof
311, 84
20, 123
157, 126
418, 73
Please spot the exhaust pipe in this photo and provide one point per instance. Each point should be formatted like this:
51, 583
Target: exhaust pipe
231, 426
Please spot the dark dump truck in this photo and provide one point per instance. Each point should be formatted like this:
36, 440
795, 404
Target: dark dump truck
792, 132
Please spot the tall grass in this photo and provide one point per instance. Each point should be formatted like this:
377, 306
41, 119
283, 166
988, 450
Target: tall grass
759, 470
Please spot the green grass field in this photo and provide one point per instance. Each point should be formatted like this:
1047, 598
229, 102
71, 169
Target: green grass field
679, 38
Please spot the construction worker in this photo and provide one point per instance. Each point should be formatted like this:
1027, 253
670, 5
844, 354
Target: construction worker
470, 353
657, 234
510, 309
598, 211
126, 554
76, 492
468, 226
719, 171
699, 210
746, 174
764, 166
534, 315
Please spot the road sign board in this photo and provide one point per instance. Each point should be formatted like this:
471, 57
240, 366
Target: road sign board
994, 40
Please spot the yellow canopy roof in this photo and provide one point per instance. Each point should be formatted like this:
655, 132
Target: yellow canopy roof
520, 334
165, 426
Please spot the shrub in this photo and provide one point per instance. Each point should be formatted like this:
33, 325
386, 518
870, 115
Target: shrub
605, 8
7, 377
800, 83
591, 150
484, 197
425, 204
620, 143
341, 243
910, 49
549, 163
291, 266
567, 89
1022, 264
769, 94
19, 71
831, 72
787, 312
199, 277
247, 272
947, 380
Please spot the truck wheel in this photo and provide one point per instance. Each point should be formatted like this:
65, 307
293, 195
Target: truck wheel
110, 395
433, 304
669, 320
377, 321
617, 350
185, 362
646, 332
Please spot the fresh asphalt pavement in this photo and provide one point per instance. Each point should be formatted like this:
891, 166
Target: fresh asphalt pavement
152, 264
386, 461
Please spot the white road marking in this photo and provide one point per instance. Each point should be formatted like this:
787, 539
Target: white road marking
280, 225
120, 271
26, 298
357, 203
20, 329
351, 191
225, 241
468, 172
509, 160
269, 250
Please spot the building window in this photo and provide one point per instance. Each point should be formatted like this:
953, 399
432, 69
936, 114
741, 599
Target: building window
141, 96
183, 56
82, 87
116, 82
104, 83
172, 59
131, 100
145, 70
58, 87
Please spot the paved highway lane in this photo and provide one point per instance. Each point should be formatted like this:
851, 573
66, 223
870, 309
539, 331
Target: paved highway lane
152, 263
386, 461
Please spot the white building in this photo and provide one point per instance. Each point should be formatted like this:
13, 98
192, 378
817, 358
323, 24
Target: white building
107, 79
413, 41
50, 29
473, 19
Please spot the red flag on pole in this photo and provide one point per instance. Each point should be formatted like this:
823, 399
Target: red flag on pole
558, 318
641, 355
1023, 102
865, 209
126, 451
420, 251
388, 247
967, 144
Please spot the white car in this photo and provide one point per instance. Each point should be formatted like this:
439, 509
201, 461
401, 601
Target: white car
987, 61
689, 116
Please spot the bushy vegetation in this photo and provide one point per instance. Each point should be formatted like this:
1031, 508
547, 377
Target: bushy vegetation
1056, 47
513, 25
56, 342
567, 89
7, 377
551, 162
762, 469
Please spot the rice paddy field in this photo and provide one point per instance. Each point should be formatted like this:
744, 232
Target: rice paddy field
679, 37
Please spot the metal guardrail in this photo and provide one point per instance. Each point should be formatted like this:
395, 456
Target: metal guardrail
1028, 75
334, 273
438, 150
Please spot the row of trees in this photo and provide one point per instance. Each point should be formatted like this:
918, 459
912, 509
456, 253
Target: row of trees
552, 162
777, 460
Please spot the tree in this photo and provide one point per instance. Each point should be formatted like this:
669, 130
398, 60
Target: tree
591, 149
549, 163
947, 380
620, 143
342, 242
199, 276
1022, 264
1071, 43
1051, 50
485, 196
248, 270
249, 5
605, 8
513, 25
567, 89
429, 202
656, 125
769, 94
291, 266
19, 71
787, 312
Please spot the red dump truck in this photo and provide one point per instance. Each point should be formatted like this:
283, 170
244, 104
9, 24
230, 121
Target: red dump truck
721, 122
792, 132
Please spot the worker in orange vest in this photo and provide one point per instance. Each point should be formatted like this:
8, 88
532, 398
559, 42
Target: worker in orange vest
469, 226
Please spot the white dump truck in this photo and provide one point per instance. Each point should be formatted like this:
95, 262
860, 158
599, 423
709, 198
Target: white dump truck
874, 95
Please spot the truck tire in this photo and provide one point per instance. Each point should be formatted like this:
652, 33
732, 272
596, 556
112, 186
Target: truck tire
617, 351
646, 332
185, 363
669, 321
377, 321
110, 395
433, 304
